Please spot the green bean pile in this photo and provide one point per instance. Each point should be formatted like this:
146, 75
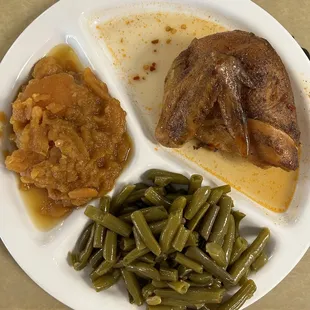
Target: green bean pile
175, 243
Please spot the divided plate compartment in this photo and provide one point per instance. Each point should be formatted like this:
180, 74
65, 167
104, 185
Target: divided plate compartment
43, 254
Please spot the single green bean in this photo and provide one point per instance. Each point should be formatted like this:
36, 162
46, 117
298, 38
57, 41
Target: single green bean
148, 290
85, 254
192, 239
169, 232
187, 262
220, 226
260, 262
199, 198
133, 286
127, 244
178, 204
151, 214
156, 199
176, 177
106, 281
200, 257
157, 227
225, 188
110, 246
229, 240
139, 242
160, 284
238, 216
160, 190
196, 295
168, 274
130, 299
121, 197
239, 247
174, 196
194, 284
195, 182
217, 283
153, 300
248, 257
72, 259
99, 235
83, 238
105, 203
133, 255
217, 254
208, 221
192, 224
136, 195
245, 277
179, 286
102, 269
100, 231
144, 269
181, 238
96, 259
184, 271
148, 258
237, 301
215, 196
162, 180
109, 221
204, 278
145, 232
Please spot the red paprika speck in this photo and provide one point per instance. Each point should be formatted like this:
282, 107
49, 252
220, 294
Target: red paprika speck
153, 67
136, 78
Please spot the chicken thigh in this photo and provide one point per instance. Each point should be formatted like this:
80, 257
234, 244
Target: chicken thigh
231, 91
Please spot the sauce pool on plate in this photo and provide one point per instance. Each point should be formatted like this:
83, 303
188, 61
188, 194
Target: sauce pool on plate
143, 48
43, 211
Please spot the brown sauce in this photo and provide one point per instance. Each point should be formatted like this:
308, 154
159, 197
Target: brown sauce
131, 42
3, 120
43, 211
66, 57
2, 117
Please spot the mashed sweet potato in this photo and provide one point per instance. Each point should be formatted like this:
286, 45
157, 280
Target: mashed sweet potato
70, 134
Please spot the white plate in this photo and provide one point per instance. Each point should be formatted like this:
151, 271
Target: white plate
43, 255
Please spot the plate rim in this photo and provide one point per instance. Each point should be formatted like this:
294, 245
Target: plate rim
58, 6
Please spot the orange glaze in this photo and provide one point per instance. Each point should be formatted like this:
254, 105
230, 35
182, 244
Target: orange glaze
44, 212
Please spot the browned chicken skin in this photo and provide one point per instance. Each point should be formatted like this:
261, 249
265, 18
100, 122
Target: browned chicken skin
231, 91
